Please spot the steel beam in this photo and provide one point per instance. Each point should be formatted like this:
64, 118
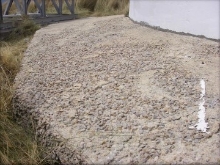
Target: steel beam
28, 2
38, 6
60, 7
55, 6
1, 15
22, 7
25, 6
18, 6
6, 12
70, 6
43, 9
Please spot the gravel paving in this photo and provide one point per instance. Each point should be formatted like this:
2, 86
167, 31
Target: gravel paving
107, 90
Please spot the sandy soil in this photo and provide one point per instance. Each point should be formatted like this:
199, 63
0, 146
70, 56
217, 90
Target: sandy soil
110, 91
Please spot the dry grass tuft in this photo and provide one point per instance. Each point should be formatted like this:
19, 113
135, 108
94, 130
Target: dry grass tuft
24, 28
16, 145
10, 58
86, 4
108, 7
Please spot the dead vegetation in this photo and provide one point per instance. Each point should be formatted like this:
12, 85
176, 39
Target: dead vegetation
102, 7
17, 146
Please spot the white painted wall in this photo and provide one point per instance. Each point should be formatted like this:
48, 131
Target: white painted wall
198, 17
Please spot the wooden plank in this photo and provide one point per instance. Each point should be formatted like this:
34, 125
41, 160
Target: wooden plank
55, 6
6, 12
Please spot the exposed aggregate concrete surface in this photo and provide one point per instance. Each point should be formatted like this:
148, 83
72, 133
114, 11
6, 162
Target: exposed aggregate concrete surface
109, 91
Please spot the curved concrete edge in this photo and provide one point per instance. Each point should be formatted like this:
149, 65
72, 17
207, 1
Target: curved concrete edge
172, 31
193, 17
57, 150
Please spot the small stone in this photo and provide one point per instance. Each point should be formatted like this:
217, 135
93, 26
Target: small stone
198, 136
151, 125
191, 127
156, 158
121, 87
77, 85
215, 127
177, 117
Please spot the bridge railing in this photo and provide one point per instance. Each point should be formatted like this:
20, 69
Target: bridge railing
41, 16
22, 7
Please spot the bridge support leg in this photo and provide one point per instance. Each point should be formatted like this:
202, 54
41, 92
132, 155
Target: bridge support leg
43, 9
70, 6
73, 9
18, 6
25, 7
60, 7
1, 16
6, 12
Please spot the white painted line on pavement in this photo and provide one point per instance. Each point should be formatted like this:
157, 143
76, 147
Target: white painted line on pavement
202, 125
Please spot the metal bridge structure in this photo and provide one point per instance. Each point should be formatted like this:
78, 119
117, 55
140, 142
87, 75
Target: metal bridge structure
40, 16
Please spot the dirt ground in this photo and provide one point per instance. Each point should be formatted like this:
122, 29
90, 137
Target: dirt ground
112, 91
